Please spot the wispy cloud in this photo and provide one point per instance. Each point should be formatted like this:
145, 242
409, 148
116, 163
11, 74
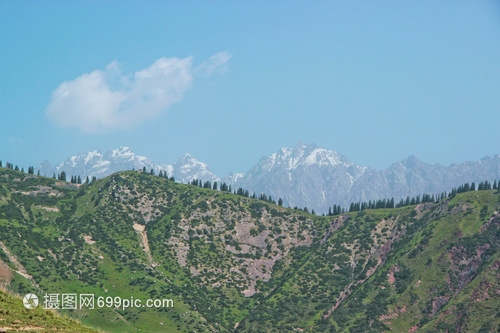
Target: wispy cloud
107, 99
214, 63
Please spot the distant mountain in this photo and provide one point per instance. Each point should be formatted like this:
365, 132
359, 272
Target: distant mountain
189, 168
99, 165
305, 176
317, 178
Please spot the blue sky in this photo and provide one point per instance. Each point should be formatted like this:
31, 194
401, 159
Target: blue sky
230, 82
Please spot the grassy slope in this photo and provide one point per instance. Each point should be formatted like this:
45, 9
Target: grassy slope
14, 317
375, 270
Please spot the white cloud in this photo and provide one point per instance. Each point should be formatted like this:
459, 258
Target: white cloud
106, 100
215, 62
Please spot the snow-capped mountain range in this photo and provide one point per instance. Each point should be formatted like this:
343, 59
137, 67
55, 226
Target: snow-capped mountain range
305, 175
99, 165
317, 178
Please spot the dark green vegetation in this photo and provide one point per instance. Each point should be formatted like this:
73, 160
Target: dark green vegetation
233, 263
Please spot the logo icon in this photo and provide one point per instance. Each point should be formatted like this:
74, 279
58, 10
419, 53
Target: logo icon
30, 301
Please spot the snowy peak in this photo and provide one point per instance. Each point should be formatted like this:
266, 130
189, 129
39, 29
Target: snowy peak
305, 175
96, 164
187, 159
81, 159
92, 156
325, 157
122, 152
125, 154
411, 162
99, 165
188, 168
303, 156
233, 178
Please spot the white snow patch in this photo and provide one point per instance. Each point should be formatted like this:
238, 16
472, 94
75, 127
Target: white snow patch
91, 155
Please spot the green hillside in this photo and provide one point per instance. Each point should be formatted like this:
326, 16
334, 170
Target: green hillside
226, 263
14, 317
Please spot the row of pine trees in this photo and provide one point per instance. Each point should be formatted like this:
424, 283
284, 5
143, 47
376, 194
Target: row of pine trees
240, 191
389, 203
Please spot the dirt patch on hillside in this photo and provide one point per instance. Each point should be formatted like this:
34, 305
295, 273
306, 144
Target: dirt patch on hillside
88, 240
19, 267
49, 209
141, 231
